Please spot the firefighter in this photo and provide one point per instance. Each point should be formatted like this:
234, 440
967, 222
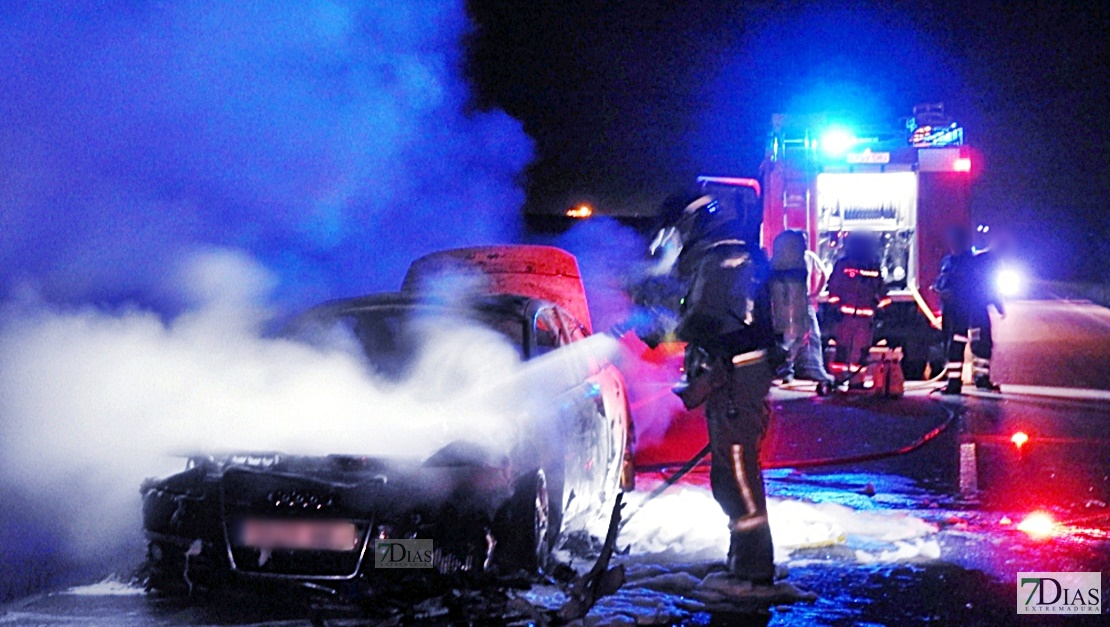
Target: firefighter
966, 288
726, 322
797, 277
856, 292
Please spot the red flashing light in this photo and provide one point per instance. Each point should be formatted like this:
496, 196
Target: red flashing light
1019, 439
963, 164
1038, 525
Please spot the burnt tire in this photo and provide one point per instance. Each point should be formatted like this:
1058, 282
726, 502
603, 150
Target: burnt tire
523, 527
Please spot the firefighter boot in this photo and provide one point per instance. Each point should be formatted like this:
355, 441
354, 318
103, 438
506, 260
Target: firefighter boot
983, 382
954, 388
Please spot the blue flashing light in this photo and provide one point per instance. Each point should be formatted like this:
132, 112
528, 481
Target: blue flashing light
837, 141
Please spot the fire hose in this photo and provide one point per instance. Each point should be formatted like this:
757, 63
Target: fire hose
698, 458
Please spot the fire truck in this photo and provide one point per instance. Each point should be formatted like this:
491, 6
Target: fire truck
905, 183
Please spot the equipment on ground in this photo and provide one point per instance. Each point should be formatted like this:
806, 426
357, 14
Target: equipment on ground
885, 372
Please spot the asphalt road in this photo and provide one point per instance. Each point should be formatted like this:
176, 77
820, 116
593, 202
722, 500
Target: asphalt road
1053, 343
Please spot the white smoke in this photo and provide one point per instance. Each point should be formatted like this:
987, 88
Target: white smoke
303, 132
94, 401
335, 140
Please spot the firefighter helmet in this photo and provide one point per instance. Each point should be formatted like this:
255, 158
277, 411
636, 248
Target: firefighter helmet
707, 218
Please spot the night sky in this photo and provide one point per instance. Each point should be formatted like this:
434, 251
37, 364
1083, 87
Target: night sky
332, 141
628, 100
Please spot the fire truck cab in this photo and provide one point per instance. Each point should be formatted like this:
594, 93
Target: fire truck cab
905, 184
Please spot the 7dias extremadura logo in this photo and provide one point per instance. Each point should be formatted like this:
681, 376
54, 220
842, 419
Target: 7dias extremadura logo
403, 553
1059, 593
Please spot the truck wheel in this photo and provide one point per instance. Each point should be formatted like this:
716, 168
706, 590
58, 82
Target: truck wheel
523, 527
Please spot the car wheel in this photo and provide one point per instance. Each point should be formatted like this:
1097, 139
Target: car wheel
524, 526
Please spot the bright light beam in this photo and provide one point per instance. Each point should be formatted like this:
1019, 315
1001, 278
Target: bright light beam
1008, 282
1038, 525
837, 141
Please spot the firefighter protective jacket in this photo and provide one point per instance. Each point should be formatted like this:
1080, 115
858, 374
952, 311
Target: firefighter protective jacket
856, 288
965, 282
727, 311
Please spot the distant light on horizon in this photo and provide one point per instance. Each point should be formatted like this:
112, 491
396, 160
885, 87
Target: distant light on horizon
580, 212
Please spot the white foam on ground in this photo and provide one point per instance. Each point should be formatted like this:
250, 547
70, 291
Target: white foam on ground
109, 587
686, 524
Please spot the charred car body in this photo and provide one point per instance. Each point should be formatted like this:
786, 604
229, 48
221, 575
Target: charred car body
314, 520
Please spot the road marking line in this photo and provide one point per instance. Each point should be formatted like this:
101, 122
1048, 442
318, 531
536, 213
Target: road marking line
1046, 391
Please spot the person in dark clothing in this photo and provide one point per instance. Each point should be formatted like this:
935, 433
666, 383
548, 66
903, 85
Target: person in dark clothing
967, 291
726, 319
856, 292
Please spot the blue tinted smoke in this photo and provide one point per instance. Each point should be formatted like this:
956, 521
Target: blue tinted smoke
334, 141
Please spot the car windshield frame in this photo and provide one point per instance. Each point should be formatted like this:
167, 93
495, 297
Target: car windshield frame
495, 316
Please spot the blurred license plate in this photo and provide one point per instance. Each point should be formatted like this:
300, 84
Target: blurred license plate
318, 535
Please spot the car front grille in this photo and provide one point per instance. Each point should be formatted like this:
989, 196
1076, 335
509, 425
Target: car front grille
249, 494
298, 563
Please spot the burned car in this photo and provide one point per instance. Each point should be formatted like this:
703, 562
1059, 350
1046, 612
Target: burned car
316, 520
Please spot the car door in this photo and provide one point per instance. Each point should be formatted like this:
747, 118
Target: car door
615, 427
577, 414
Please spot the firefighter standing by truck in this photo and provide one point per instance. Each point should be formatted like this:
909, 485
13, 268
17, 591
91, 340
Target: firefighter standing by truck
796, 278
856, 293
967, 291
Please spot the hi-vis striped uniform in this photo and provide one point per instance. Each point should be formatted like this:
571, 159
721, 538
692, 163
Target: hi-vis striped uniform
728, 314
857, 291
